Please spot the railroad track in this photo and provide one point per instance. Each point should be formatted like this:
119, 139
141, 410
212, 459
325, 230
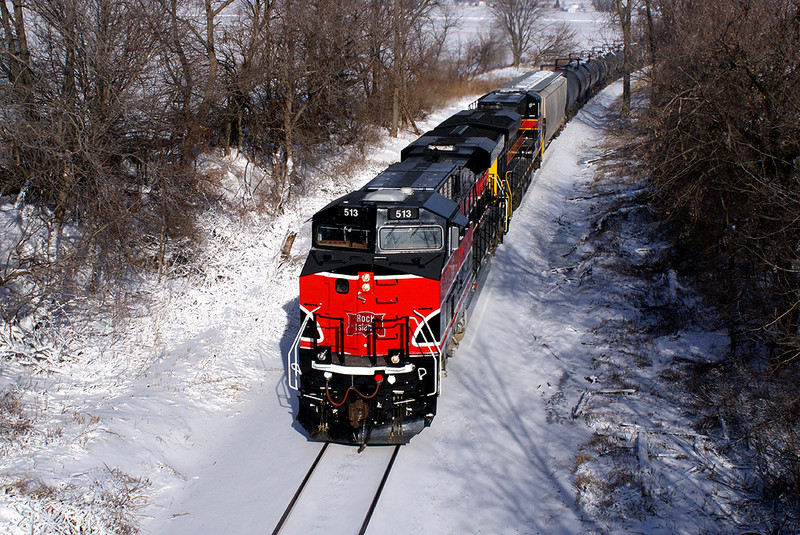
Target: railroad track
339, 482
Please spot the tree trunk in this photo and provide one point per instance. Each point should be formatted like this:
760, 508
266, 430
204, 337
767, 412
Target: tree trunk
66, 179
285, 153
18, 52
624, 13
211, 52
185, 92
213, 64
650, 30
398, 68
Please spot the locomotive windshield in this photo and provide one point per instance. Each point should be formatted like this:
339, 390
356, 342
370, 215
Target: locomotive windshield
491, 105
411, 238
342, 235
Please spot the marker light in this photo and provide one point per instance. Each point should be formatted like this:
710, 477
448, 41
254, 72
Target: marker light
378, 377
391, 379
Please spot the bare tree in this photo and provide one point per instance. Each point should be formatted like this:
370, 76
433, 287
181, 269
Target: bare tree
648, 10
436, 34
406, 16
93, 125
212, 11
16, 55
553, 42
517, 20
181, 59
376, 60
723, 148
301, 83
624, 9
482, 52
248, 64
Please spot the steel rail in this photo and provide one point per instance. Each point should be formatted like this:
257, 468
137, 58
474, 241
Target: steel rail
299, 491
378, 492
376, 497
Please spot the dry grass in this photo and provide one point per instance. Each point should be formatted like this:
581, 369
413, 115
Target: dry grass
437, 92
14, 422
67, 510
580, 459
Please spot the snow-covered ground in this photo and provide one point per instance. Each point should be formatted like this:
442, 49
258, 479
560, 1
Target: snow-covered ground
179, 420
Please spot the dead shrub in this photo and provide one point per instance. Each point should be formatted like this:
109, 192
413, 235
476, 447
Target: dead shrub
14, 422
722, 147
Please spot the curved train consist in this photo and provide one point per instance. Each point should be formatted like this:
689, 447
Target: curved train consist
393, 266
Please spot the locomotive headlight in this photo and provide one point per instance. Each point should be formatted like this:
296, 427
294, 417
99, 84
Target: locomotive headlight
322, 355
365, 287
365, 277
395, 359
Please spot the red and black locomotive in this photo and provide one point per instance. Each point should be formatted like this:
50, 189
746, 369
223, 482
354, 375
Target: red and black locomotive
393, 266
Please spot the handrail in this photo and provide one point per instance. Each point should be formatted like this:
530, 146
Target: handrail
505, 190
400, 323
293, 356
293, 372
510, 194
433, 353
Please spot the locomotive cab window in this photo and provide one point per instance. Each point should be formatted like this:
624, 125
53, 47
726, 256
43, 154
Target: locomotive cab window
455, 239
427, 238
342, 235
